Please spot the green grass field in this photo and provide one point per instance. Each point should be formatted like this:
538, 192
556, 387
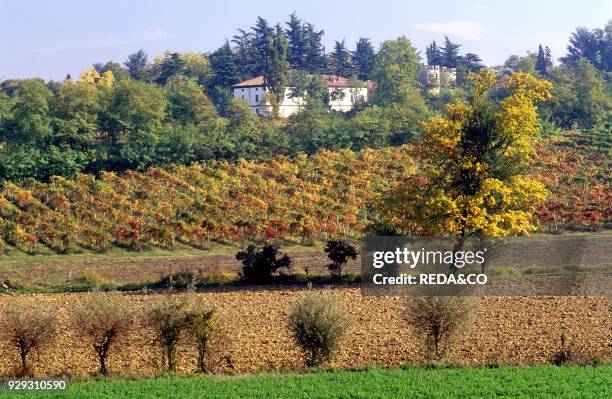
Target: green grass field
505, 382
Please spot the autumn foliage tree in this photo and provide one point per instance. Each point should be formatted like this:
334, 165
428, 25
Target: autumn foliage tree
474, 161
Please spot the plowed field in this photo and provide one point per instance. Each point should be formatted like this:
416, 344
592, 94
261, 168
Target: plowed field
508, 330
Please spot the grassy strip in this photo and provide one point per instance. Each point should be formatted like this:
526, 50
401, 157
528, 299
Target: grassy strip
505, 382
158, 286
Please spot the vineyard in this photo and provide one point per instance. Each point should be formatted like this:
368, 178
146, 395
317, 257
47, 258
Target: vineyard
304, 200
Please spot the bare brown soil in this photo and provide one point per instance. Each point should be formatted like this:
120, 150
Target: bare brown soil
515, 330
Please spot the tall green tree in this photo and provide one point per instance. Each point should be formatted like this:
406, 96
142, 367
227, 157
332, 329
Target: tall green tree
450, 53
340, 62
243, 131
541, 62
396, 71
170, 65
364, 58
225, 73
225, 70
593, 100
262, 34
594, 45
187, 102
275, 71
132, 119
316, 127
245, 53
29, 144
75, 116
472, 62
296, 51
579, 96
548, 57
434, 54
314, 51
192, 122
30, 120
136, 64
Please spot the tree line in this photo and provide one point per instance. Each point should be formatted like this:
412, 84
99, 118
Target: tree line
178, 108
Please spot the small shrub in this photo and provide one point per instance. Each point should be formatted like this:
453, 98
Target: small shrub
216, 275
259, 265
573, 354
184, 280
564, 355
93, 279
595, 361
202, 324
436, 318
27, 327
339, 253
317, 324
168, 322
103, 319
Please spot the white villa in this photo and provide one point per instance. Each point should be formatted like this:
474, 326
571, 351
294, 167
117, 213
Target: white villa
345, 95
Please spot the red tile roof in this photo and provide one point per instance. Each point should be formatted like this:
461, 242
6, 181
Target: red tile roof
258, 81
330, 81
336, 81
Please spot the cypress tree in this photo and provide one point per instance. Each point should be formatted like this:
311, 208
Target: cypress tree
541, 61
314, 52
450, 53
262, 33
275, 69
364, 58
245, 57
434, 54
136, 65
169, 67
225, 68
296, 42
340, 60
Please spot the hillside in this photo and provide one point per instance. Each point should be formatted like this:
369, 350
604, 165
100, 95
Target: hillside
301, 201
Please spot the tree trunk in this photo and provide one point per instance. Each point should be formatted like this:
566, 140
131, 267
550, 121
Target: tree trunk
202, 359
171, 360
24, 354
457, 247
102, 351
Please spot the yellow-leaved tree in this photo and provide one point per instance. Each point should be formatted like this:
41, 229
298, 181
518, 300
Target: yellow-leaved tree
474, 162
93, 77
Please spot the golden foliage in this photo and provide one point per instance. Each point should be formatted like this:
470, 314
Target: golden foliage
93, 77
472, 158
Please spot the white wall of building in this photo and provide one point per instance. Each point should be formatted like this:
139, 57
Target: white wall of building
347, 97
255, 97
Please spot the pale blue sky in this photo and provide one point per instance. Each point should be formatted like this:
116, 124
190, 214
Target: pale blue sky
51, 38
